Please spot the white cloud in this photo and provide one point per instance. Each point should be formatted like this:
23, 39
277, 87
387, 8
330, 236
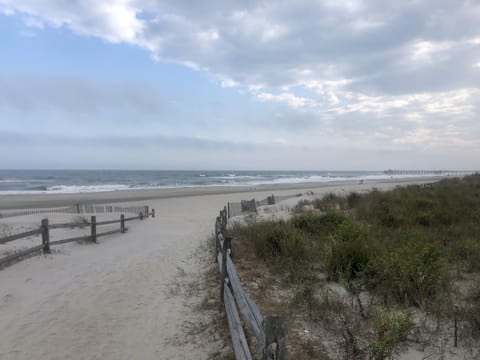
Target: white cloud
115, 21
424, 51
290, 99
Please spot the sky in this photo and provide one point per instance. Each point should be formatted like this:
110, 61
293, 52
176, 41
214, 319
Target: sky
215, 84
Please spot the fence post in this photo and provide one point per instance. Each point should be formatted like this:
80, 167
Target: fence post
228, 210
141, 215
45, 237
146, 211
217, 241
153, 213
254, 205
225, 214
226, 247
78, 208
273, 346
271, 200
93, 227
229, 241
122, 223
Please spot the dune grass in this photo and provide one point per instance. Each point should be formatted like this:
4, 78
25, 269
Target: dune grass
406, 247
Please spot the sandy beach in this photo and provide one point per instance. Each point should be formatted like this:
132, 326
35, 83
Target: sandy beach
122, 298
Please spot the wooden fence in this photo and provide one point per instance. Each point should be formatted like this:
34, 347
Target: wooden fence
269, 331
245, 206
45, 228
76, 209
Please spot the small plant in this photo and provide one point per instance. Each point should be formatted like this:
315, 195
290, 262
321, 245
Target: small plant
390, 327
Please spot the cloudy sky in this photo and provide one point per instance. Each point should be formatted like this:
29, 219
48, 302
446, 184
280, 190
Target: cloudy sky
215, 84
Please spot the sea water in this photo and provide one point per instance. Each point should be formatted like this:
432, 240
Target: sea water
77, 181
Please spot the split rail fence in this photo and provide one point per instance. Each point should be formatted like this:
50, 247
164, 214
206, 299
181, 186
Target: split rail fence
45, 228
269, 331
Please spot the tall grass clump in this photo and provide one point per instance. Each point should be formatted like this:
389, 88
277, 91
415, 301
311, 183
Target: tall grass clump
278, 241
348, 252
319, 224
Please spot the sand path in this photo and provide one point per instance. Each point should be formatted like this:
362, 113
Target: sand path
114, 300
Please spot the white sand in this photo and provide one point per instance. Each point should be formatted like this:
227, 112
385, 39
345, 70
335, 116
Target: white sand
117, 299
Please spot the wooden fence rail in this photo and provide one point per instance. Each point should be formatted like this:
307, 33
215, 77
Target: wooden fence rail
45, 228
269, 331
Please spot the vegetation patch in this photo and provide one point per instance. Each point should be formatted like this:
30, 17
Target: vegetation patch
408, 251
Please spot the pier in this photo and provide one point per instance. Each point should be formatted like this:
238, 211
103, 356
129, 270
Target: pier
431, 172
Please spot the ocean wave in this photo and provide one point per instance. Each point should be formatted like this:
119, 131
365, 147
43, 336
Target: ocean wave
175, 182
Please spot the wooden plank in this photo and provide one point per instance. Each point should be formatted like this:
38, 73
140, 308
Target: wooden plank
249, 310
20, 254
219, 260
64, 241
108, 222
20, 236
240, 345
68, 225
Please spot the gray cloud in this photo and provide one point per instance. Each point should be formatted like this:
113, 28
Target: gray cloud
29, 93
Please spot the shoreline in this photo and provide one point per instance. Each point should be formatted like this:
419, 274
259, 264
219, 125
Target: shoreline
21, 201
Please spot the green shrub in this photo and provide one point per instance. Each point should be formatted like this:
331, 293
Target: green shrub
353, 199
466, 252
387, 215
413, 272
348, 252
330, 202
279, 240
390, 328
313, 223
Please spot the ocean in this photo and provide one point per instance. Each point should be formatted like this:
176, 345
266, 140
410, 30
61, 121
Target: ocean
79, 181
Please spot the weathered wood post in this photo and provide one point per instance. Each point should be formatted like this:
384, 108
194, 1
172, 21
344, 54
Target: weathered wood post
141, 215
225, 214
229, 240
153, 213
217, 240
228, 210
146, 211
271, 200
45, 237
226, 246
254, 205
93, 228
223, 227
78, 208
122, 224
273, 346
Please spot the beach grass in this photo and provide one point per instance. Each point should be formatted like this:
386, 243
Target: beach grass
414, 248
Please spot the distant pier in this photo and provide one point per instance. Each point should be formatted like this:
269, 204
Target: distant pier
431, 172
